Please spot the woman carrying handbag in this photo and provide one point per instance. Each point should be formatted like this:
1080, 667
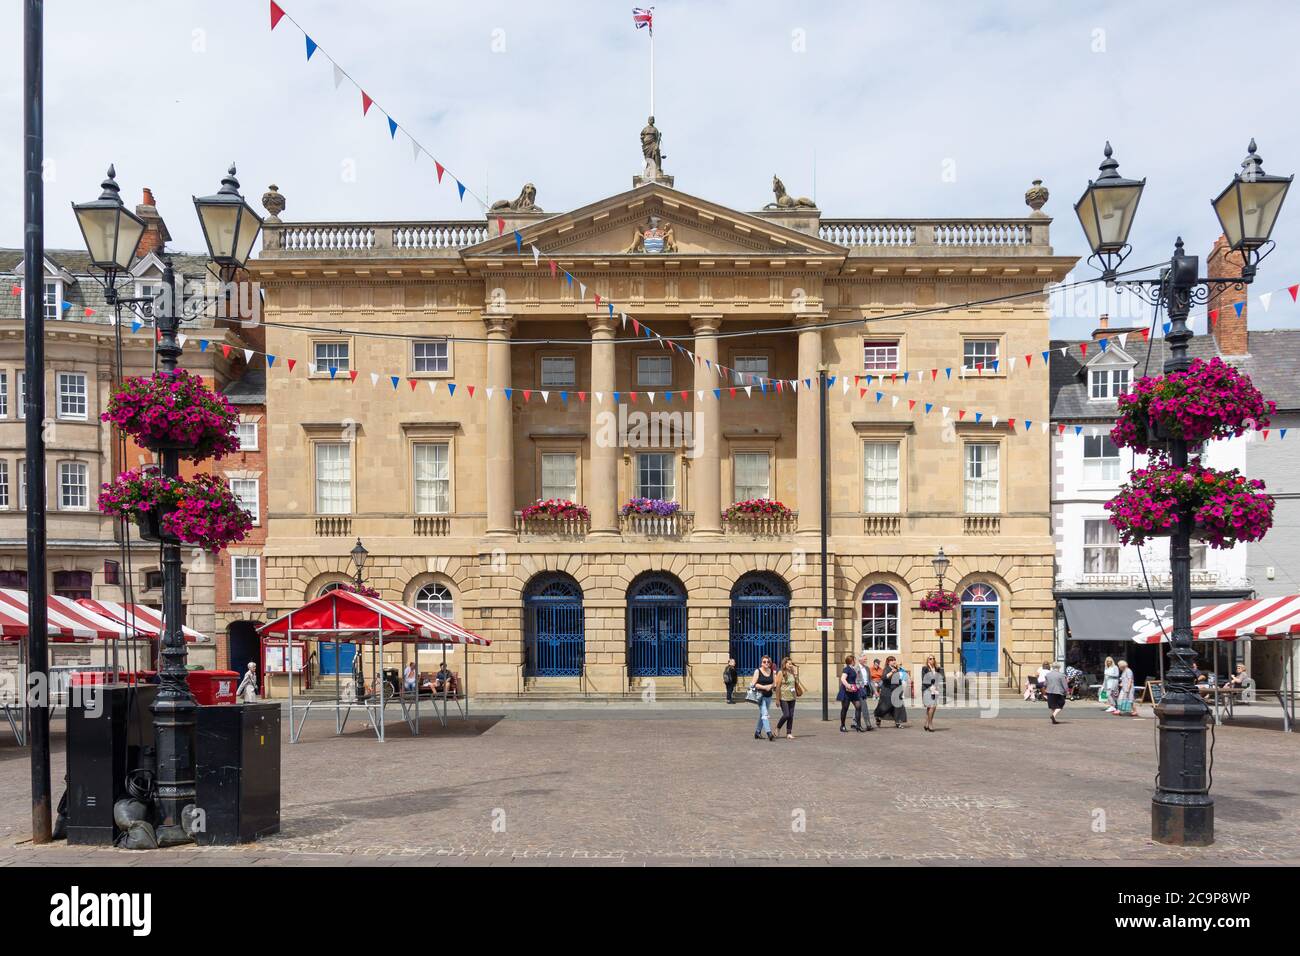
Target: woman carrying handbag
849, 695
760, 692
789, 691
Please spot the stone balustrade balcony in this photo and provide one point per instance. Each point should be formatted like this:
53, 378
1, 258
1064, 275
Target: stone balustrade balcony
760, 526
549, 526
656, 526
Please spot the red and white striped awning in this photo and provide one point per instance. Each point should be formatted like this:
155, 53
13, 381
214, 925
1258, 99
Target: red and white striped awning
1261, 619
344, 615
146, 621
67, 620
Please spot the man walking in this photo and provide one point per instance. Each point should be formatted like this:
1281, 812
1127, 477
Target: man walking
729, 678
1056, 687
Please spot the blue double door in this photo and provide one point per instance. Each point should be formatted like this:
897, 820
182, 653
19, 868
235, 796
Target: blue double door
336, 658
656, 632
979, 639
758, 630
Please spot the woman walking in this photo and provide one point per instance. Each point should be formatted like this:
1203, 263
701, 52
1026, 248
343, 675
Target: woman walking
931, 688
892, 689
763, 684
1110, 685
849, 694
789, 690
1125, 690
865, 692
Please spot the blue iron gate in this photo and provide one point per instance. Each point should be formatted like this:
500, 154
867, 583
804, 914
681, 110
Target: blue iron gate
979, 630
760, 622
554, 645
656, 629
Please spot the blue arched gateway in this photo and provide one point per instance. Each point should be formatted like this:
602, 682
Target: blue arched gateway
656, 627
979, 629
554, 643
760, 621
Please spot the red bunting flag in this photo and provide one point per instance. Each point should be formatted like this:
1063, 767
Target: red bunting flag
633, 394
1214, 317
961, 413
1083, 348
1011, 423
862, 392
1266, 434
1294, 290
501, 226
1029, 360
441, 169
553, 266
276, 14
911, 404
470, 388
225, 349
597, 295
1146, 335
90, 312
15, 290
636, 327
528, 393
1060, 429
366, 102
685, 395
934, 373
582, 396
352, 375
292, 363
732, 391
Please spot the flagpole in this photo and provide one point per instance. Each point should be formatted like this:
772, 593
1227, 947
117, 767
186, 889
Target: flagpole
652, 69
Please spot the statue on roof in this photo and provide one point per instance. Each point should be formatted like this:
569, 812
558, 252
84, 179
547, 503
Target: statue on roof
785, 201
651, 139
526, 201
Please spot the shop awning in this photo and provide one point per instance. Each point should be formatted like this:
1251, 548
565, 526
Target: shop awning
1108, 618
146, 621
1261, 619
66, 619
344, 615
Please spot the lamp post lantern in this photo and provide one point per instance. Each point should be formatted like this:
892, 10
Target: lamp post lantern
108, 230
1182, 810
940, 564
359, 555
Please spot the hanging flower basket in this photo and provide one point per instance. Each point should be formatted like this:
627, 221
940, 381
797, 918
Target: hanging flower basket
763, 507
1225, 506
556, 508
175, 410
650, 506
939, 601
201, 511
1210, 400
364, 590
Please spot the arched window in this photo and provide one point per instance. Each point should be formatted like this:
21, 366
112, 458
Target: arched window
332, 586
979, 629
880, 618
436, 599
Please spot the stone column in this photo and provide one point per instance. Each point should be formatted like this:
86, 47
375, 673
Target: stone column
500, 457
807, 441
706, 467
602, 488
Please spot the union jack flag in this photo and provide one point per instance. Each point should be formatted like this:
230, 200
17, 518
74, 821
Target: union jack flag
644, 17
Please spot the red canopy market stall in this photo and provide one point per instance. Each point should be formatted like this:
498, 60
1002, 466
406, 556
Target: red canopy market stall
356, 618
67, 623
1262, 619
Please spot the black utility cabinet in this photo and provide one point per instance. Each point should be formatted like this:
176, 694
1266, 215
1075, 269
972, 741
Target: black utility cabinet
238, 779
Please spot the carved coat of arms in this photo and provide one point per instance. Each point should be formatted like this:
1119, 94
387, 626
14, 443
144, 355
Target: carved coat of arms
654, 236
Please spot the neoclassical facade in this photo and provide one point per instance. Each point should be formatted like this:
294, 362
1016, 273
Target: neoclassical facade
447, 376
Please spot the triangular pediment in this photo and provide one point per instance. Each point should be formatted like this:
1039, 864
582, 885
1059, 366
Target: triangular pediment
697, 227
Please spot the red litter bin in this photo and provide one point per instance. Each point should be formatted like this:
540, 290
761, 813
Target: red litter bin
213, 687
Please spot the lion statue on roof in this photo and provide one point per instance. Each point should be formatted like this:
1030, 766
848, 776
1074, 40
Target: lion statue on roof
526, 201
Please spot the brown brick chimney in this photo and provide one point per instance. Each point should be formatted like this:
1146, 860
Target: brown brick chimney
155, 235
1230, 330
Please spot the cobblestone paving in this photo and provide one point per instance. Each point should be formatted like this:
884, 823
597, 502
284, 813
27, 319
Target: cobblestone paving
583, 788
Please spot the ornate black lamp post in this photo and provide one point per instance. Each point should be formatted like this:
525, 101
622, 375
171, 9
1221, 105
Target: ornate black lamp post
112, 236
1182, 810
359, 555
940, 564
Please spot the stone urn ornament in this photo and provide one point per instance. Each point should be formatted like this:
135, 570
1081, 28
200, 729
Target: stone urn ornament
273, 202
1036, 196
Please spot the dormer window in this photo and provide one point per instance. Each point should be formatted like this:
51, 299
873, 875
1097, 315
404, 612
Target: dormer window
53, 297
1107, 384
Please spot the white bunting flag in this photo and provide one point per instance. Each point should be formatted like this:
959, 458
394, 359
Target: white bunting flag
582, 288
545, 397
248, 354
699, 395
1265, 298
893, 401
600, 397
1043, 425
415, 150
338, 76
652, 397
433, 388
946, 410
182, 338
844, 380
311, 367
488, 391
1093, 431
537, 255
374, 378
994, 422
749, 391
1012, 364
624, 315
1065, 350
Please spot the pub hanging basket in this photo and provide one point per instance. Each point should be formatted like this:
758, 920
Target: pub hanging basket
939, 601
175, 410
1210, 400
201, 511
1226, 507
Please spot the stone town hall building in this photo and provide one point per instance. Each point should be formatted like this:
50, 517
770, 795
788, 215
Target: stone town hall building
434, 483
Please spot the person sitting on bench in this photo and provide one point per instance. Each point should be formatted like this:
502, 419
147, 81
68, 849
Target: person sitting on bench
409, 678
442, 680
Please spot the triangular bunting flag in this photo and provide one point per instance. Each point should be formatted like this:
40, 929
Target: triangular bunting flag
414, 383
392, 128
338, 76
311, 46
352, 374
1265, 299
460, 188
366, 102
374, 379
276, 14
292, 363
1294, 290
396, 380
451, 389
440, 168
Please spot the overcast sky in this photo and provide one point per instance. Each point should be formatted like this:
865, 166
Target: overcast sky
916, 109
